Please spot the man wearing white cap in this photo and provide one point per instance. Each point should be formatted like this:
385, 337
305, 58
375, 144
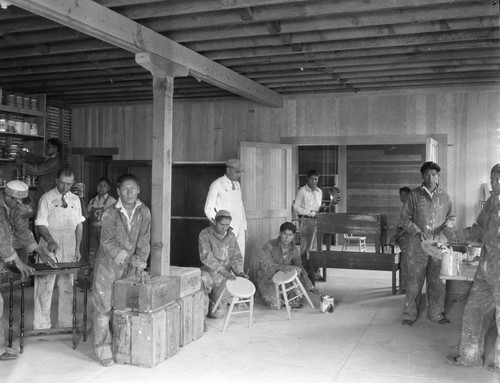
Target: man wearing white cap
225, 194
14, 227
59, 222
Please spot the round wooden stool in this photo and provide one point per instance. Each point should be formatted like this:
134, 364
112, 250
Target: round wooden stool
281, 280
242, 292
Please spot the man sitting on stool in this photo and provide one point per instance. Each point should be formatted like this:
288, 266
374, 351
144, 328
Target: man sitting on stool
221, 257
281, 254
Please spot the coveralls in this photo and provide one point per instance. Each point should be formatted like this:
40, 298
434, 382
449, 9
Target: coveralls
123, 239
429, 215
305, 201
96, 208
483, 303
225, 194
45, 169
217, 253
13, 227
273, 259
62, 224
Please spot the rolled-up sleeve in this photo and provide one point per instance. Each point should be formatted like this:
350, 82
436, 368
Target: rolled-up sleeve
42, 216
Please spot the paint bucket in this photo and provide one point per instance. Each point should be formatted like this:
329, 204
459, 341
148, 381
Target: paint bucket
450, 264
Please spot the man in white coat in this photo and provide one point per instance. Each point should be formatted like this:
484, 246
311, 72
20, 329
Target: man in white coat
225, 194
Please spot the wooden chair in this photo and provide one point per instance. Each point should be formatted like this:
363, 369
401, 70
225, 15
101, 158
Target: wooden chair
349, 237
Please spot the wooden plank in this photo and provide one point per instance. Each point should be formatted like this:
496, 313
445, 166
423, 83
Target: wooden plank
104, 24
352, 260
122, 341
186, 334
130, 294
198, 314
148, 338
173, 319
187, 279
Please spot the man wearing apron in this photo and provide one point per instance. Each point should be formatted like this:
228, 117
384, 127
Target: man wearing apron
225, 194
59, 222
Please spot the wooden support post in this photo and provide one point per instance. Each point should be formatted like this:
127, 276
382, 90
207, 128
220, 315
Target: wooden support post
163, 72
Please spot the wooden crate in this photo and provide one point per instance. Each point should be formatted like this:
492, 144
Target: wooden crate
146, 339
188, 279
130, 294
192, 317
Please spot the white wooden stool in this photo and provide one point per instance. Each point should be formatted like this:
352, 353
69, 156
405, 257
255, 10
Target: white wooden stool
281, 279
242, 292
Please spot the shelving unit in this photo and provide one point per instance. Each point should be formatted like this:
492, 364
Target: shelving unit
33, 142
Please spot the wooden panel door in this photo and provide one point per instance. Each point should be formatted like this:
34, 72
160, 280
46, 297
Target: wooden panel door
268, 189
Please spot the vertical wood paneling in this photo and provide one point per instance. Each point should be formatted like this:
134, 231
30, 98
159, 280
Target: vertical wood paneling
210, 130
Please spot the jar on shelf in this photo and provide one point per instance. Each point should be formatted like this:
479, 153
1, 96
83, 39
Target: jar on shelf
26, 102
19, 101
26, 128
11, 100
3, 125
11, 126
34, 129
18, 126
34, 103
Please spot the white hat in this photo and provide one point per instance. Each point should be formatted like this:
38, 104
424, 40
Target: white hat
18, 189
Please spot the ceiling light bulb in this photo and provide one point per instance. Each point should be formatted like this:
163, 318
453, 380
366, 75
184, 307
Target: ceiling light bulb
4, 4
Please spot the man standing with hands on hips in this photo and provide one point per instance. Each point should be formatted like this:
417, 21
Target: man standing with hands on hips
306, 206
225, 194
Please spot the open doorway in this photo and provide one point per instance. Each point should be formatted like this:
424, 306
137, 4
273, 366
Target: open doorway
369, 175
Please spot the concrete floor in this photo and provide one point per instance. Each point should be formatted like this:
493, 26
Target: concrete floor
361, 341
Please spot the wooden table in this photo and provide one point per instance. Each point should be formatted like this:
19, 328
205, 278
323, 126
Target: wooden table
44, 269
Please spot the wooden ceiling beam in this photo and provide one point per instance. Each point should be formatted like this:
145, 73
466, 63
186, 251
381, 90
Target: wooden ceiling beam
382, 20
343, 34
283, 9
270, 70
470, 36
99, 22
399, 54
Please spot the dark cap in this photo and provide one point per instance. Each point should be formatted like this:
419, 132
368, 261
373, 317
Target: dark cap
223, 214
495, 169
430, 165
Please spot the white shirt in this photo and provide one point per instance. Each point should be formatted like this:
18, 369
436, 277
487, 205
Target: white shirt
307, 200
120, 207
221, 196
52, 200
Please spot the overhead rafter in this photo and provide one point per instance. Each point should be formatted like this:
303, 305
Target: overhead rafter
104, 24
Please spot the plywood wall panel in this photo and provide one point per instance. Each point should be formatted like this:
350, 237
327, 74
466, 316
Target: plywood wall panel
210, 130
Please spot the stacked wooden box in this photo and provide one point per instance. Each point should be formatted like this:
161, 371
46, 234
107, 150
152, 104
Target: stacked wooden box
190, 301
151, 321
146, 321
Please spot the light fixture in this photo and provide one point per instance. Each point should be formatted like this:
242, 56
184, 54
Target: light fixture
4, 4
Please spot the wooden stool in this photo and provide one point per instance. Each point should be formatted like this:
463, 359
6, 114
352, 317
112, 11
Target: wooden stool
242, 291
281, 279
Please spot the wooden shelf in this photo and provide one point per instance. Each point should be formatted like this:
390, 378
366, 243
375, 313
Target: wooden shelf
26, 137
26, 112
